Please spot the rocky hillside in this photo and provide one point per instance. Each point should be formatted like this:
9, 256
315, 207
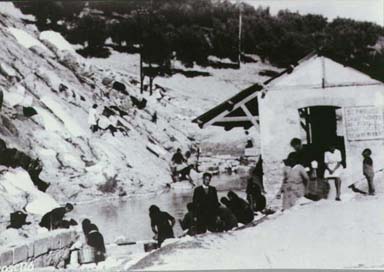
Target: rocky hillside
48, 92
39, 72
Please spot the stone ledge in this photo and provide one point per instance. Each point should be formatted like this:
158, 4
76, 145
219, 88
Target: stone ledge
6, 257
20, 254
48, 250
41, 246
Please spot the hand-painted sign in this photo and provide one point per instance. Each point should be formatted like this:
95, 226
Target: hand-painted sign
364, 123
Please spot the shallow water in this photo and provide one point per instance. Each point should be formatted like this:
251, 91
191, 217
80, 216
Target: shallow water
129, 217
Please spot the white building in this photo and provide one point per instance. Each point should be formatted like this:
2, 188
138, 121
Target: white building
319, 101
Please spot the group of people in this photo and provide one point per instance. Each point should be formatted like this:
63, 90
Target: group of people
182, 164
93, 239
56, 219
206, 213
299, 169
12, 157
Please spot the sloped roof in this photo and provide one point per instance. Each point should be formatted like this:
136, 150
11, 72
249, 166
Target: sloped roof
312, 71
322, 72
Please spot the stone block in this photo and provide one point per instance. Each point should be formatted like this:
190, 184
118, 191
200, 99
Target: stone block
41, 246
55, 258
68, 238
20, 254
31, 253
39, 261
6, 257
56, 241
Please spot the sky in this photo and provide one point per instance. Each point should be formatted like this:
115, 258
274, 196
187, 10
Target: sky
362, 10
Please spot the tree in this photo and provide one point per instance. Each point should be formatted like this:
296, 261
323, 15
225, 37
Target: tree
92, 30
191, 45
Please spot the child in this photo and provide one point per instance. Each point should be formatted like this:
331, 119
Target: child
368, 170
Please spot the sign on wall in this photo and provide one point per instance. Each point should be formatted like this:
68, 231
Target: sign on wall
364, 123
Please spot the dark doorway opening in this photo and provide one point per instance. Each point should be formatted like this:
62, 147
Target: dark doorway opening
322, 127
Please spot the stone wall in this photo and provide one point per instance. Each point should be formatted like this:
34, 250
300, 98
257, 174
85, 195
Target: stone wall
49, 249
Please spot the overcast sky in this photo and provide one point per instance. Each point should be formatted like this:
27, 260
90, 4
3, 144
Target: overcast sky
362, 10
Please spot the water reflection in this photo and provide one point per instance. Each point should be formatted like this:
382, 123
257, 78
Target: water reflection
129, 217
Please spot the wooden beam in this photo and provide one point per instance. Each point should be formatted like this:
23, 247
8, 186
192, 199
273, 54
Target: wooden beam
304, 126
226, 112
237, 119
252, 118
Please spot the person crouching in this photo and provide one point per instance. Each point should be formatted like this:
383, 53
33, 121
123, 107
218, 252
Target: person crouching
161, 223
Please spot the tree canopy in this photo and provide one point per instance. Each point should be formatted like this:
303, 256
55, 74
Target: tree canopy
193, 30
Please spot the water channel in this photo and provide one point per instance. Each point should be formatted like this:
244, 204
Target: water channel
129, 217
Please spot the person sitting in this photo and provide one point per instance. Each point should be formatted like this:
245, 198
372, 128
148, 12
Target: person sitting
161, 223
255, 198
239, 207
333, 168
55, 218
189, 221
226, 219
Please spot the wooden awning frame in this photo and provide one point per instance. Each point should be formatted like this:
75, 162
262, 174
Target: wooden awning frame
241, 110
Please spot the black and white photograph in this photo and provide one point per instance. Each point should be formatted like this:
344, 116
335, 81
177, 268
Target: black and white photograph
191, 135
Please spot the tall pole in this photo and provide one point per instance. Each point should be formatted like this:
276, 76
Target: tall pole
141, 69
141, 27
239, 30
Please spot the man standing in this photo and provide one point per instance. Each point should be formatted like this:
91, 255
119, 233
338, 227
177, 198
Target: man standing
206, 203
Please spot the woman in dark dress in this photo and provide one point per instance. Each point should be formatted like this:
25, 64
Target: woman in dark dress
255, 198
94, 239
240, 208
161, 223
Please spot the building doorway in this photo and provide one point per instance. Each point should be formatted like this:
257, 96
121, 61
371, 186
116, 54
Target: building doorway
322, 126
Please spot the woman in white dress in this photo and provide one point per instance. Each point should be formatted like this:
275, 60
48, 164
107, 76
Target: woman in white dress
333, 167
